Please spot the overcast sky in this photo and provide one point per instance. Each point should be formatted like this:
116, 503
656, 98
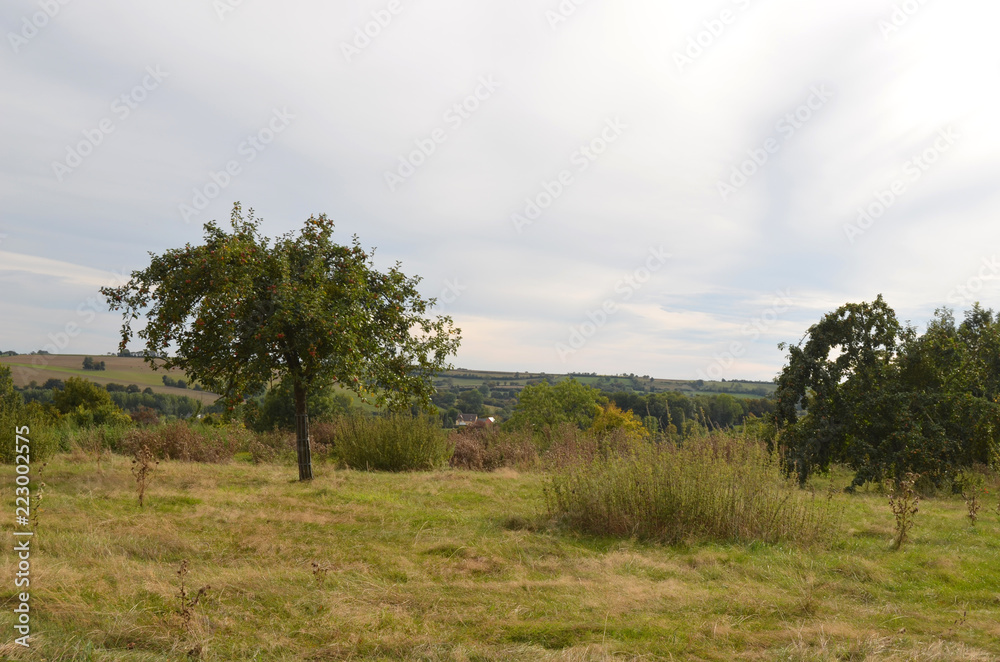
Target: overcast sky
664, 188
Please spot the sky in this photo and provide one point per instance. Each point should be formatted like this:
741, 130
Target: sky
660, 188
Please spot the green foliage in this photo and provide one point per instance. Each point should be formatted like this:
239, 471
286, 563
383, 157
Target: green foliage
241, 310
87, 403
15, 414
392, 443
867, 392
90, 364
679, 416
470, 402
542, 407
719, 488
277, 411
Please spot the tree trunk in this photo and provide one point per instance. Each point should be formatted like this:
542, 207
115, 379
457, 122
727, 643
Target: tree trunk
302, 433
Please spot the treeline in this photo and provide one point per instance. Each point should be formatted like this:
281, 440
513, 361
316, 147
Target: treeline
130, 399
683, 415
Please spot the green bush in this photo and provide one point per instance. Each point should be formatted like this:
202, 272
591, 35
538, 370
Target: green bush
393, 443
13, 415
718, 488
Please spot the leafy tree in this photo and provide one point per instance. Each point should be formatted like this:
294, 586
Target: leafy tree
278, 408
865, 391
470, 402
449, 417
87, 404
542, 406
53, 383
242, 310
88, 363
169, 381
10, 400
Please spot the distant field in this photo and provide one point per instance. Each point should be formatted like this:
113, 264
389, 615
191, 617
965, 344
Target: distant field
463, 377
120, 370
128, 370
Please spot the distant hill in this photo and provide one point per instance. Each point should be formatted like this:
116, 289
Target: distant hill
465, 378
26, 368
133, 370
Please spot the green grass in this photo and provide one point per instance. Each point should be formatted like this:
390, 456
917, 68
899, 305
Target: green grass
454, 565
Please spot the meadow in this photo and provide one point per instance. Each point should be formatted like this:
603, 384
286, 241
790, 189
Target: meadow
453, 564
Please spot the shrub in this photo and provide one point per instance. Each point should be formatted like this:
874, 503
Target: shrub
719, 488
487, 449
14, 414
181, 441
272, 446
392, 443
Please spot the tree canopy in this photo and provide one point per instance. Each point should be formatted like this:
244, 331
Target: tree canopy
543, 407
240, 310
866, 391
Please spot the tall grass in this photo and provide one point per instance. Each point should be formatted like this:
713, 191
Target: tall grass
490, 448
392, 443
717, 488
180, 440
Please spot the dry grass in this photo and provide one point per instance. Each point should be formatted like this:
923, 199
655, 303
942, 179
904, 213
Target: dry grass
424, 566
718, 488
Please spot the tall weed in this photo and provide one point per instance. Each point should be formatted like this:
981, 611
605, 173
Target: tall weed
716, 488
391, 443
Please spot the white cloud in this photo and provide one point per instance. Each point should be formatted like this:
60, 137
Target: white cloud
656, 186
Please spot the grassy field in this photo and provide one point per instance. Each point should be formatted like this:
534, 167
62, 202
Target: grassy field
120, 370
454, 565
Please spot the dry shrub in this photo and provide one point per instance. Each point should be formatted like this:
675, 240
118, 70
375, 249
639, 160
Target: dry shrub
488, 449
190, 443
570, 446
322, 436
144, 416
718, 488
274, 446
